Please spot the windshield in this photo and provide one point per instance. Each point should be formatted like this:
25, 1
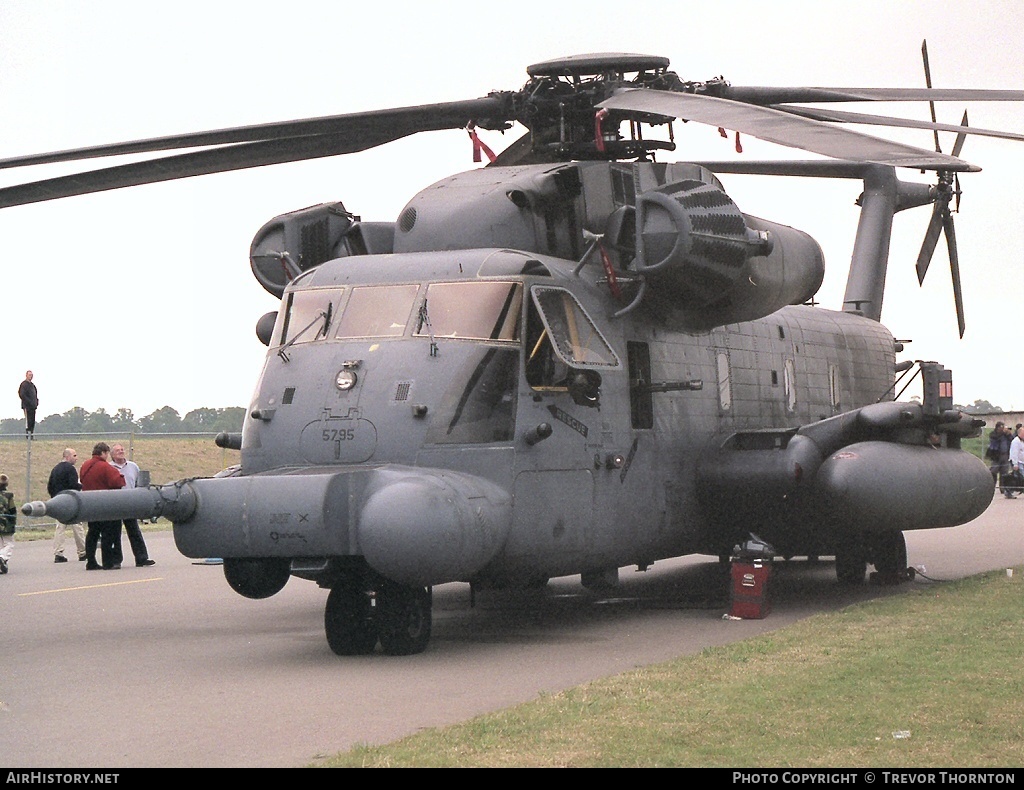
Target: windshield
307, 315
471, 310
377, 311
463, 310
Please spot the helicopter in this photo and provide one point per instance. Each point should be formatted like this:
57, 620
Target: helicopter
571, 360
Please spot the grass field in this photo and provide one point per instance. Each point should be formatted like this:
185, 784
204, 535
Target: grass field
929, 679
166, 459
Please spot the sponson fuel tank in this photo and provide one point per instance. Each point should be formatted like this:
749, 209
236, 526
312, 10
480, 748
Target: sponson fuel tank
879, 486
418, 526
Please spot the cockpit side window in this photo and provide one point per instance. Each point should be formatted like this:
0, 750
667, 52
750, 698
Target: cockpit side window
377, 311
575, 337
545, 370
479, 404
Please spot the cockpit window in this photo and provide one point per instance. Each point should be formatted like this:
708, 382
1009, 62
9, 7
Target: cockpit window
307, 316
377, 311
471, 311
577, 341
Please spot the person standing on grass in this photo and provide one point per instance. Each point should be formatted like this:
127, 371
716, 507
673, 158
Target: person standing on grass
64, 477
130, 472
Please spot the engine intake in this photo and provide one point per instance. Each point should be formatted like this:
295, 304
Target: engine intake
707, 264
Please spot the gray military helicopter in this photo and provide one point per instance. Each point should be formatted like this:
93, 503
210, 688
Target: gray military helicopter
569, 361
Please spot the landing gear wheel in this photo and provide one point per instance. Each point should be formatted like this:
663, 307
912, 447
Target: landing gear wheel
851, 562
257, 578
350, 628
890, 554
404, 619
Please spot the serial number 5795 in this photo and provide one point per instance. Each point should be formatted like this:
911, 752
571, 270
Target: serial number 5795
339, 434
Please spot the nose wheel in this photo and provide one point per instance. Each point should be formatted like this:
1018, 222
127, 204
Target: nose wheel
397, 616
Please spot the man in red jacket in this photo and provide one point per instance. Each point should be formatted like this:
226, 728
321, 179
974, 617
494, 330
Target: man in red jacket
99, 475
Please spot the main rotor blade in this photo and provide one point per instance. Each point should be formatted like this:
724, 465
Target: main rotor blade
357, 133
782, 128
425, 117
216, 160
928, 82
931, 238
887, 120
763, 95
954, 268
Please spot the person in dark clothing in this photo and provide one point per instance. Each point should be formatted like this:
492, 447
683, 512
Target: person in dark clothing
64, 477
8, 519
29, 402
99, 475
998, 455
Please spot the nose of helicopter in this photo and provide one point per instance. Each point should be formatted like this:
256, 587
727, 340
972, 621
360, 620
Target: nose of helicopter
423, 527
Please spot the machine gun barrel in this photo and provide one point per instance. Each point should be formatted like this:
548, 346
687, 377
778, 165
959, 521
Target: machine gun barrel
175, 502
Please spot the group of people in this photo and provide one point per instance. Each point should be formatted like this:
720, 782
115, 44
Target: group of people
1005, 454
107, 469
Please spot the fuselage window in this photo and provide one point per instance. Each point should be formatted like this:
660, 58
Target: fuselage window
834, 388
641, 402
724, 382
377, 311
471, 311
789, 379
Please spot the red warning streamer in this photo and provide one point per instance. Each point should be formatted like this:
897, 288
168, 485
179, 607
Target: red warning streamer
598, 132
479, 145
613, 281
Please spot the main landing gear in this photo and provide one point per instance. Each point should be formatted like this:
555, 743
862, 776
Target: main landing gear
887, 551
889, 555
396, 615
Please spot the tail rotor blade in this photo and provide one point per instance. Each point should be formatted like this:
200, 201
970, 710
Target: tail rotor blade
957, 147
954, 268
959, 144
931, 238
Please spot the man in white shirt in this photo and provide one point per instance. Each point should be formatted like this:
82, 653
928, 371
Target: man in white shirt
130, 472
1017, 457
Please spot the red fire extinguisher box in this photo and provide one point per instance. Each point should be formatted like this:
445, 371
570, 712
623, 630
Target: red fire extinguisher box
750, 589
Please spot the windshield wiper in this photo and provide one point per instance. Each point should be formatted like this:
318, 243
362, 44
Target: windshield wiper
321, 332
425, 321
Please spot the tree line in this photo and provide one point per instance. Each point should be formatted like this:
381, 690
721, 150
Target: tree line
204, 420
163, 420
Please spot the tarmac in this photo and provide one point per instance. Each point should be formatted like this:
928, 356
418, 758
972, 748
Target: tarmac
167, 667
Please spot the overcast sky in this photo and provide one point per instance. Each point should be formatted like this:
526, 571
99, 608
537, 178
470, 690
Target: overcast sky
143, 297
